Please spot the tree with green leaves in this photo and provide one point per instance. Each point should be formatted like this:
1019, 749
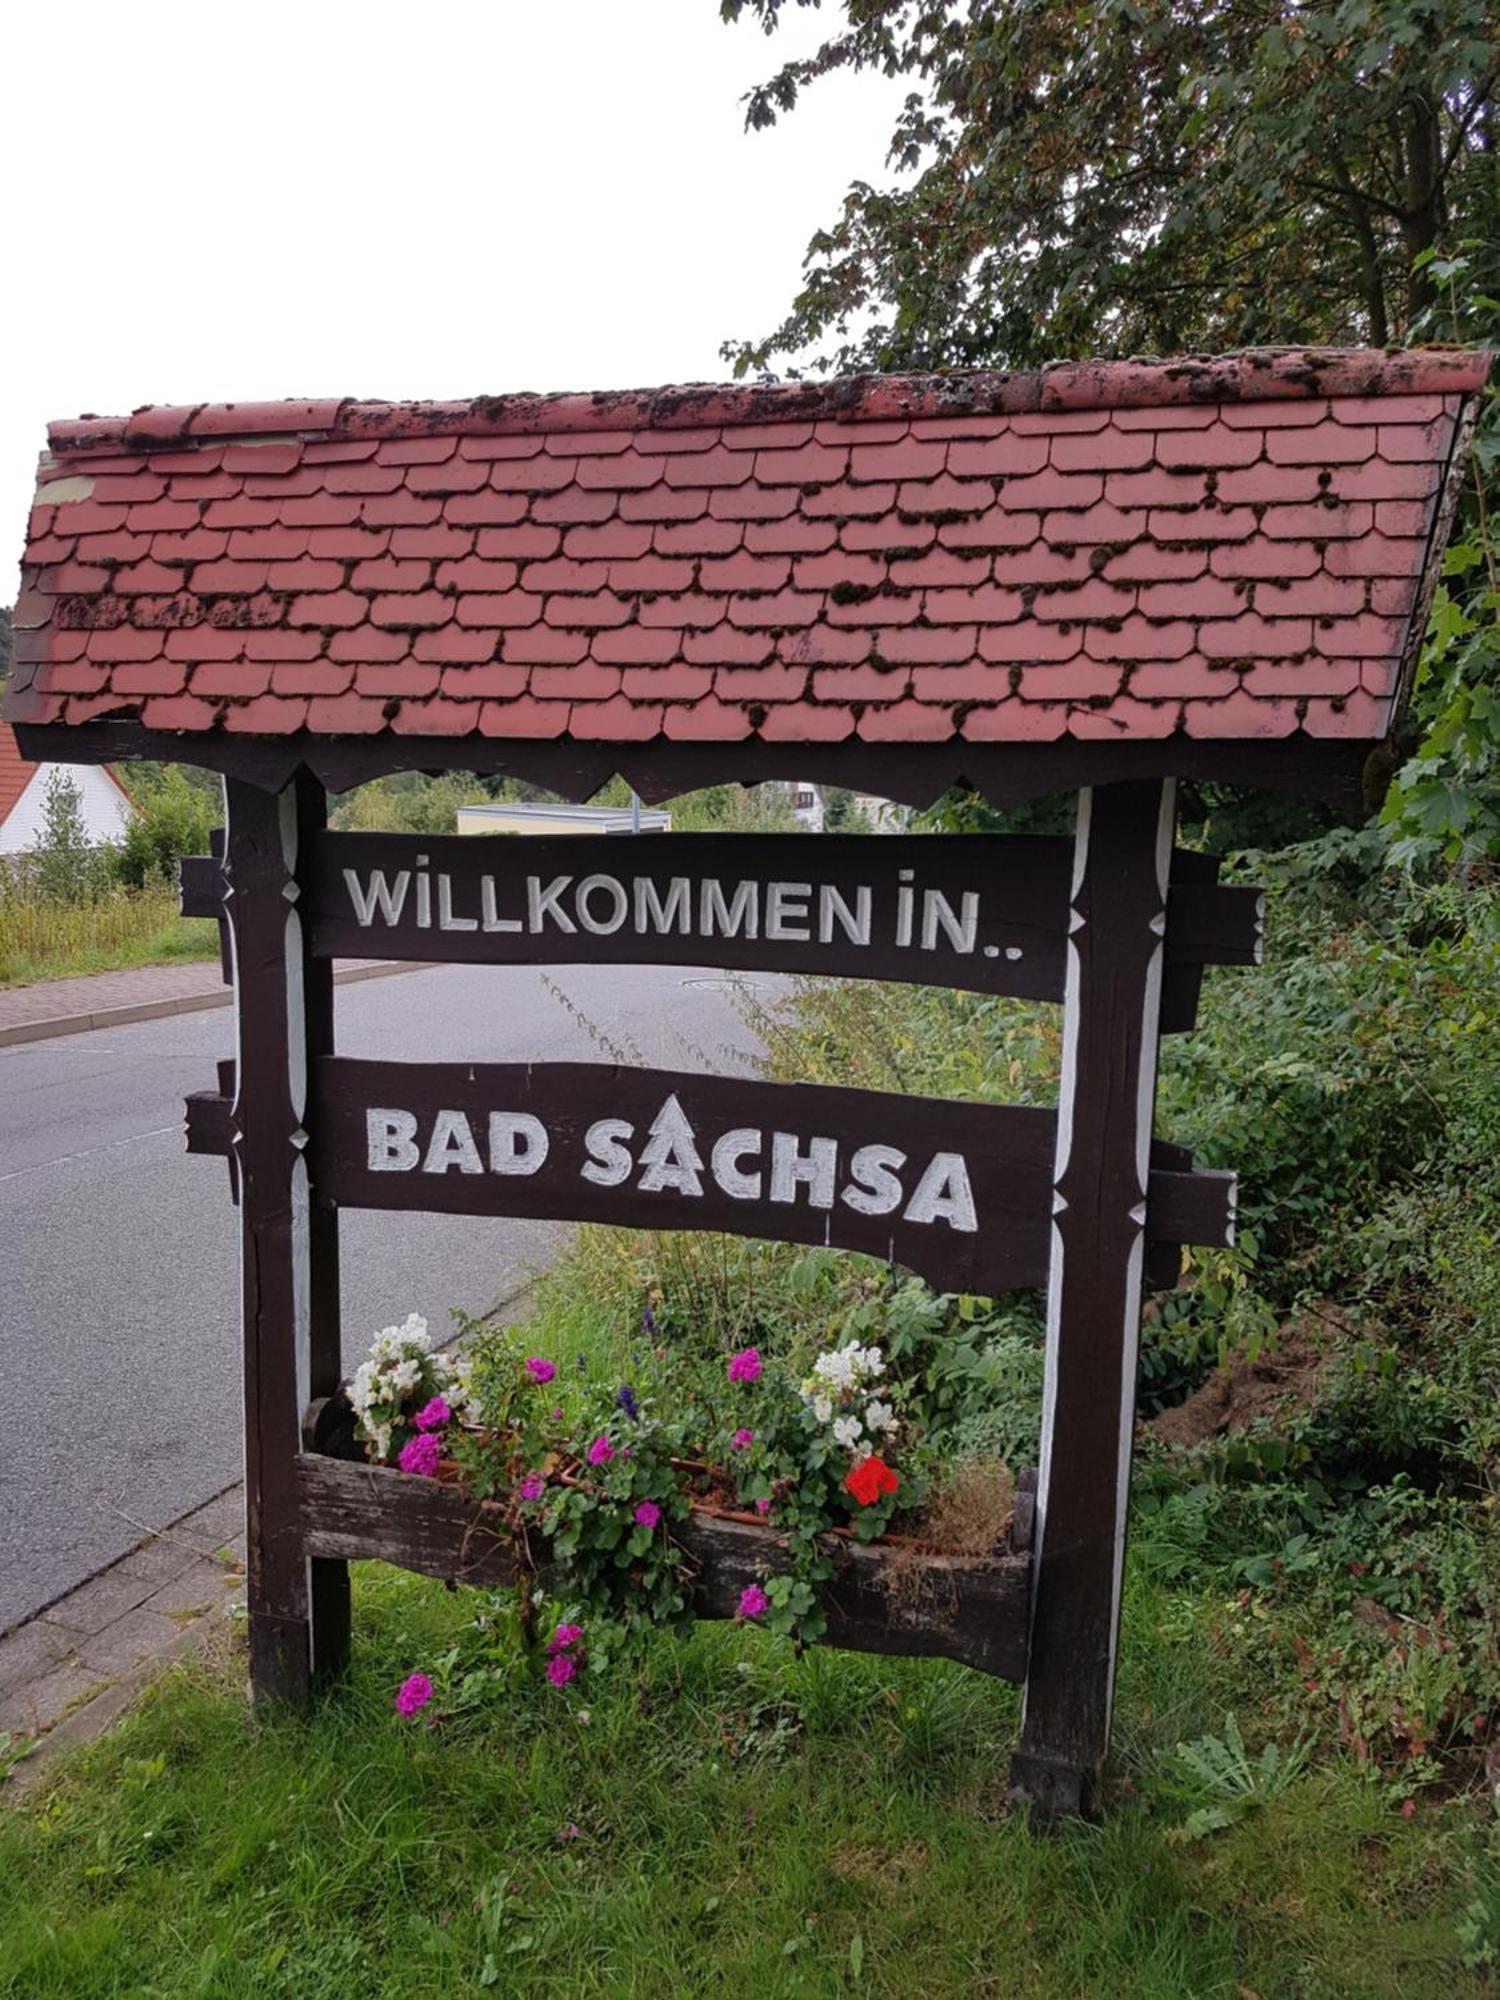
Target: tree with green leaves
1143, 175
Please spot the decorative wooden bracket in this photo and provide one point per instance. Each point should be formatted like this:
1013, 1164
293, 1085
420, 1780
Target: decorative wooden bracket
202, 888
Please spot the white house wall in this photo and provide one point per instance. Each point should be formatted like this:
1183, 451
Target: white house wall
104, 806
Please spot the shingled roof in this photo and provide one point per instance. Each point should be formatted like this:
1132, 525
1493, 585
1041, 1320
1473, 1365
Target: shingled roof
1210, 549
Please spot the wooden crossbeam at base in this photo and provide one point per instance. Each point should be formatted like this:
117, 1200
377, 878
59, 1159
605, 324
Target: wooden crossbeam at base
967, 1609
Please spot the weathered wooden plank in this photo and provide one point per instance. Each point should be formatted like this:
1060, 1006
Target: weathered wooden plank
983, 912
1107, 1092
970, 911
971, 1611
1184, 1205
959, 1192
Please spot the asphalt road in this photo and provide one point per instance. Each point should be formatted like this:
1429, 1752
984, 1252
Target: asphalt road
119, 1257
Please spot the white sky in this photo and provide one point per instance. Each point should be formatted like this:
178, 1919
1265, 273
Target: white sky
463, 197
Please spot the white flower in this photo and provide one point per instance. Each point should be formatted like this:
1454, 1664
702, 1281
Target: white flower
880, 1417
872, 1361
847, 1431
822, 1408
414, 1331
406, 1374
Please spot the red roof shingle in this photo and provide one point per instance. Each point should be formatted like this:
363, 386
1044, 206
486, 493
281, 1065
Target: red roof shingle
1232, 548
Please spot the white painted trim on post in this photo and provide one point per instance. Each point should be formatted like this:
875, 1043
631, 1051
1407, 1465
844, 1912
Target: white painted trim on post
1130, 1344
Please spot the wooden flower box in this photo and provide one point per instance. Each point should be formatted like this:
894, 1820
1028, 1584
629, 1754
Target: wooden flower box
884, 1597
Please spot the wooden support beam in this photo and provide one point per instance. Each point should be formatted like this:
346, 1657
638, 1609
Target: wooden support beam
1107, 1090
298, 1610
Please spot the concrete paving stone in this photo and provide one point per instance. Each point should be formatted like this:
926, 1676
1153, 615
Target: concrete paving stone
41, 1702
99, 1602
30, 1652
156, 1562
127, 1642
198, 1587
216, 1523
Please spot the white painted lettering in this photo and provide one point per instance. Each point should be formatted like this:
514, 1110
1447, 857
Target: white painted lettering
424, 895
832, 908
542, 903
717, 918
874, 1188
609, 1160
493, 921
675, 914
388, 897
390, 1137
452, 1145
937, 910
725, 1162
518, 1142
815, 1169
786, 911
944, 1195
904, 899
670, 1160
592, 885
446, 919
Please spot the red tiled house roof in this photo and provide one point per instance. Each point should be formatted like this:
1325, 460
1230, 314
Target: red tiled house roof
1204, 550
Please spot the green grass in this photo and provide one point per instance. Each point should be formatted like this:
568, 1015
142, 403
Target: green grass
746, 1823
41, 939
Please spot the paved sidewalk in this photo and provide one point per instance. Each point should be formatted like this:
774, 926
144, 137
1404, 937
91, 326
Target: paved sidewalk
74, 1668
144, 993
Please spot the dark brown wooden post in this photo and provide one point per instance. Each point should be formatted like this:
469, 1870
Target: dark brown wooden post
299, 1609
1106, 1098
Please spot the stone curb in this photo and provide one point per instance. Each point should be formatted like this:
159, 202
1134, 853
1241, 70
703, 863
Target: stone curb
189, 1003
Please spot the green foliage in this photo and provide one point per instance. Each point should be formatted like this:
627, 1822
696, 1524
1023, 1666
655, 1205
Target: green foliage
408, 802
1445, 800
1142, 176
63, 865
173, 812
1221, 1782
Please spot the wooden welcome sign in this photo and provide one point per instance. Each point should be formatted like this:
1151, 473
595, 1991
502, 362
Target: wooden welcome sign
976, 1197
1095, 580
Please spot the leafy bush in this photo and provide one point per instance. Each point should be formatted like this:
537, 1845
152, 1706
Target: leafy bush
172, 815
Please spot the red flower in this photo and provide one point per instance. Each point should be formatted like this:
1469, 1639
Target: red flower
869, 1479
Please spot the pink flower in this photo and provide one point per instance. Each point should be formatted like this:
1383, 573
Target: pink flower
762, 1506
601, 1451
647, 1514
745, 1366
420, 1455
434, 1416
742, 1440
563, 1637
414, 1692
539, 1370
532, 1487
754, 1602
557, 1414
561, 1669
